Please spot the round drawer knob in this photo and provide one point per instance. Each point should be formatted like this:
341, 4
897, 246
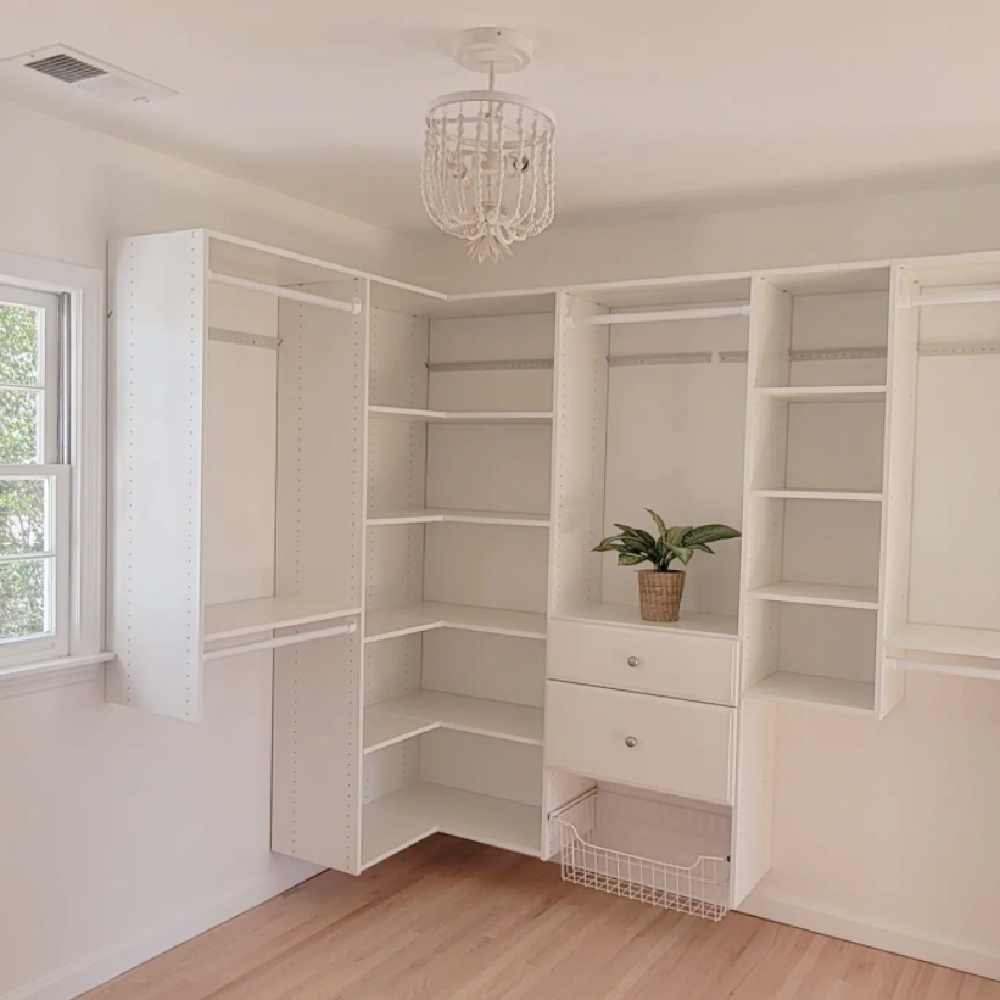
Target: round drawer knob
630, 741
633, 661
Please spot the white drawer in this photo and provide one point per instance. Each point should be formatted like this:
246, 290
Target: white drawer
694, 667
641, 740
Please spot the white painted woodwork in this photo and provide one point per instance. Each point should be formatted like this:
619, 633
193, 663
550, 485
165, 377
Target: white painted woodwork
416, 811
831, 595
629, 616
695, 668
679, 747
807, 689
158, 299
263, 614
423, 711
388, 623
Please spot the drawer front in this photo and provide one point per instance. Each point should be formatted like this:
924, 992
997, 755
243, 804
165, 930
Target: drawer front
641, 740
697, 668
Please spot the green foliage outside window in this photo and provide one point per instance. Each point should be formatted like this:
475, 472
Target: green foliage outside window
22, 502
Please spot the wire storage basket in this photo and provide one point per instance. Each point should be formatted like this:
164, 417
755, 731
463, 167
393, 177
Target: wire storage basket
700, 889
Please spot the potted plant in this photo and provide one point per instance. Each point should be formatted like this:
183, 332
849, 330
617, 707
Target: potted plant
660, 588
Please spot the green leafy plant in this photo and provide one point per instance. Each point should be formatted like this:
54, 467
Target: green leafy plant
635, 546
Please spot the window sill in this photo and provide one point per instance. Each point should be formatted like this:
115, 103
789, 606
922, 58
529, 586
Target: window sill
29, 678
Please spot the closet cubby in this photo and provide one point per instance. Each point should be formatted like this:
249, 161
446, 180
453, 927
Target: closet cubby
230, 503
459, 481
651, 410
816, 469
943, 608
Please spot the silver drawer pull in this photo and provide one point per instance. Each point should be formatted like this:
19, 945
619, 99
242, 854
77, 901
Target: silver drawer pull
630, 741
633, 661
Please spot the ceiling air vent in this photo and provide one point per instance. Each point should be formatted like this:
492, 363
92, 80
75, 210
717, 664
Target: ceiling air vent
82, 72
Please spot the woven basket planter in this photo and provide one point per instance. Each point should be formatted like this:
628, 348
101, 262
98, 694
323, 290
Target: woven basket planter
660, 594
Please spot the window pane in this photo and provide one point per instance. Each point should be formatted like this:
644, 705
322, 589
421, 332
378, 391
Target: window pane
19, 426
20, 343
23, 587
22, 515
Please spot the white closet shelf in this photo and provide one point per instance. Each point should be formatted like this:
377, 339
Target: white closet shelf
399, 719
805, 689
825, 393
396, 821
831, 595
239, 618
390, 622
463, 417
785, 494
691, 622
946, 649
436, 515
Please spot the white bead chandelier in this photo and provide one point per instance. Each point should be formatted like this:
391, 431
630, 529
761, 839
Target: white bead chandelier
488, 174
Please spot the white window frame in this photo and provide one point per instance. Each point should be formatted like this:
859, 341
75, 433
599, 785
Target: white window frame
74, 465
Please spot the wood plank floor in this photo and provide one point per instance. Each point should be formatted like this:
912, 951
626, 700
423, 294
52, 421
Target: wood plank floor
449, 920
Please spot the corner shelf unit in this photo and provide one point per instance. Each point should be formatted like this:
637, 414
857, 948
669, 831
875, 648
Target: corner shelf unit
459, 456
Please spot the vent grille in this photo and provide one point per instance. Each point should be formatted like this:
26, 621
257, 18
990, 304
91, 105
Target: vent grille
89, 75
65, 67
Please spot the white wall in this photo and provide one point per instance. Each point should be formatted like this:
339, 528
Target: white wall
122, 834
884, 832
945, 220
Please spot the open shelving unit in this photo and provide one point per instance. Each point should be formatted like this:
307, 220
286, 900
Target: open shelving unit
459, 455
943, 603
656, 370
815, 498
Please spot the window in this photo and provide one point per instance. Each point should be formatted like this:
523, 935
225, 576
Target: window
51, 454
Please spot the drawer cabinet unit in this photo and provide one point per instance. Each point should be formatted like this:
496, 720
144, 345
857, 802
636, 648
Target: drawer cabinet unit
662, 744
695, 668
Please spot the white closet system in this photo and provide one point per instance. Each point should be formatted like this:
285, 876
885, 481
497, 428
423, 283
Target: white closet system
394, 493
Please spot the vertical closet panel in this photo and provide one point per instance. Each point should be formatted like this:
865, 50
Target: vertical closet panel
320, 535
158, 304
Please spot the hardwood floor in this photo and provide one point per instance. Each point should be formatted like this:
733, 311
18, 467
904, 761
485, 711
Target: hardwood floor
450, 920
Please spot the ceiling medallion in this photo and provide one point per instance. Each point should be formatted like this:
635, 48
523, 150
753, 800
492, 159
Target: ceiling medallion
488, 174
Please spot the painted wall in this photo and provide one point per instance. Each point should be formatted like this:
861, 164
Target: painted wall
883, 831
908, 223
122, 834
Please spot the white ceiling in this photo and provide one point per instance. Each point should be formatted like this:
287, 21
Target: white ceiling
660, 103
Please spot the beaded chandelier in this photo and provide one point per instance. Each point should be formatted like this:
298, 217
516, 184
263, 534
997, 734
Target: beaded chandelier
488, 173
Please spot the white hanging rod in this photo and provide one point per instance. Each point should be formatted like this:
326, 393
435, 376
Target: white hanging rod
354, 308
955, 297
285, 640
661, 315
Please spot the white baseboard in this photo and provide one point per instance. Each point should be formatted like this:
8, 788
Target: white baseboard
78, 977
846, 926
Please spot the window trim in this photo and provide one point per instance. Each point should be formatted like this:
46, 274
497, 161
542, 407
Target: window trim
83, 369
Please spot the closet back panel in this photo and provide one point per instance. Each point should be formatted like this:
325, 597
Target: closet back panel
493, 338
498, 667
503, 468
238, 515
955, 555
839, 321
511, 771
829, 542
487, 566
825, 642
